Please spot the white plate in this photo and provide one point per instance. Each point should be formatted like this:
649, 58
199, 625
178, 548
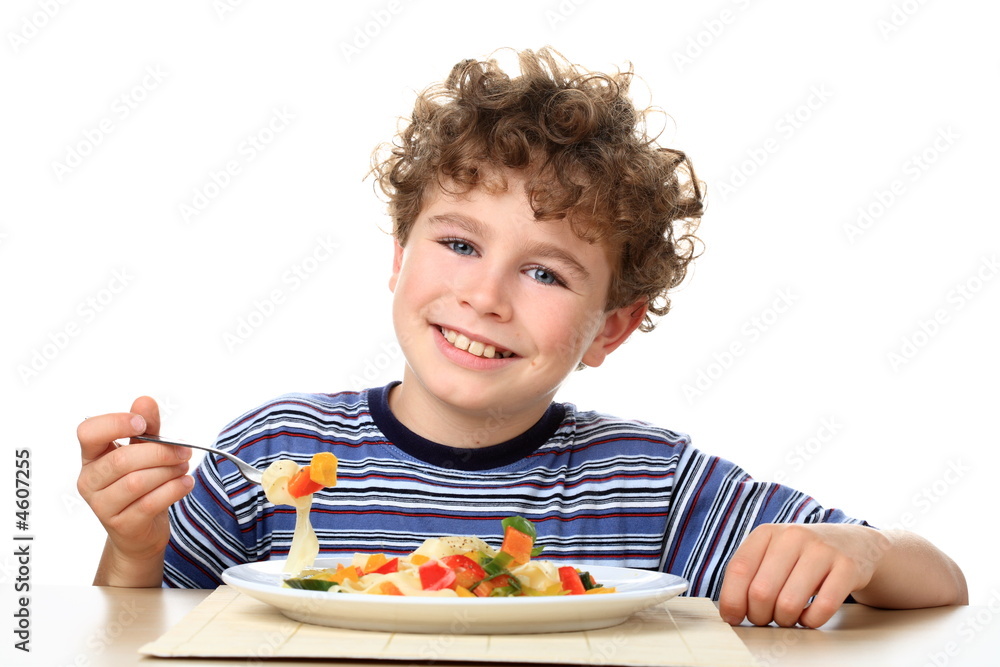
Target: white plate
637, 589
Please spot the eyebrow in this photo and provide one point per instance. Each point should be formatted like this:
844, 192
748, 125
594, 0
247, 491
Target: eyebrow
538, 248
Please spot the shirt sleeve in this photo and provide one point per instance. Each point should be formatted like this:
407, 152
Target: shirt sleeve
714, 507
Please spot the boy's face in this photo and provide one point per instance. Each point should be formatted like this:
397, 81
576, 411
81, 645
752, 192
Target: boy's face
479, 272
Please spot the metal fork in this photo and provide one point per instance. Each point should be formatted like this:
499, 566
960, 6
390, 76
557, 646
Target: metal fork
249, 473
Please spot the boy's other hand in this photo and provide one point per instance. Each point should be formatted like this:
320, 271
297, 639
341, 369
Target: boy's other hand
779, 567
129, 489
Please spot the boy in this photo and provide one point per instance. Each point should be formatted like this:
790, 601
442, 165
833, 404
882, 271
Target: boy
536, 228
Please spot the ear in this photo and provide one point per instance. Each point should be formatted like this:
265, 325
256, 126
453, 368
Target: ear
618, 326
397, 264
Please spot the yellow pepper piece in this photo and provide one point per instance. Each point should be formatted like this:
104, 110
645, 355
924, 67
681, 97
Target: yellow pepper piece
597, 591
553, 589
418, 559
323, 469
341, 575
374, 562
464, 592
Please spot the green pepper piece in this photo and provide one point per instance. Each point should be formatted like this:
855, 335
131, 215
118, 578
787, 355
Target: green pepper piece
310, 584
513, 587
588, 581
498, 564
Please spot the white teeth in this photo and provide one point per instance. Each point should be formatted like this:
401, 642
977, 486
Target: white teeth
475, 347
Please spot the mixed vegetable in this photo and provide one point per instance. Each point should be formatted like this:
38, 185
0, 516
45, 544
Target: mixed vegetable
457, 566
286, 483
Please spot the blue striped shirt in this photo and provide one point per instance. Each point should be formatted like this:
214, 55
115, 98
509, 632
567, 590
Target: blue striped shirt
600, 490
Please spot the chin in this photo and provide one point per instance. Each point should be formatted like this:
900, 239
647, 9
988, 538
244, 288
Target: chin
465, 396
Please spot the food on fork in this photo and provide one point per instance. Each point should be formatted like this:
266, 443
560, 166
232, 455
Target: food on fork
456, 567
287, 483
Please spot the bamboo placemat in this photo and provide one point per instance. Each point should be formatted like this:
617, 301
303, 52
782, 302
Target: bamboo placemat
686, 632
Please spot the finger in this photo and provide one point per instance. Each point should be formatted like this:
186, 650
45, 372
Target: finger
117, 463
130, 488
767, 584
835, 589
802, 583
740, 573
97, 433
150, 411
137, 515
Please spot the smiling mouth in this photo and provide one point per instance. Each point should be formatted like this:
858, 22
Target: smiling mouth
474, 347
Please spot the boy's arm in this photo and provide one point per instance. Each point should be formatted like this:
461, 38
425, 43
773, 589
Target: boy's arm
910, 558
779, 567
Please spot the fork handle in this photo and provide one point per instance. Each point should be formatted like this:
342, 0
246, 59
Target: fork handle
155, 438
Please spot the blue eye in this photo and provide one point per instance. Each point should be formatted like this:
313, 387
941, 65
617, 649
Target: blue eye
544, 276
460, 247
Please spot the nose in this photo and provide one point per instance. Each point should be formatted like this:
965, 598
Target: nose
487, 292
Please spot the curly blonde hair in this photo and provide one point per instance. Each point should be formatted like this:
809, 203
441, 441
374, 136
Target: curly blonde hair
584, 150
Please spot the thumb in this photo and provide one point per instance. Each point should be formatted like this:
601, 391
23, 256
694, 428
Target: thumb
150, 411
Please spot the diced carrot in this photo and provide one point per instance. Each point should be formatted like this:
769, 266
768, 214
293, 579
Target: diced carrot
389, 588
483, 589
419, 559
300, 484
323, 469
500, 581
517, 544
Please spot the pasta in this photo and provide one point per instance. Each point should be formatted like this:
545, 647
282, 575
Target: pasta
453, 566
461, 566
286, 483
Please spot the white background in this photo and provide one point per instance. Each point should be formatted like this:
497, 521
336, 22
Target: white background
796, 115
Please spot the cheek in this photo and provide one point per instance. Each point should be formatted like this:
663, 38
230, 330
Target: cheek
418, 289
561, 328
585, 329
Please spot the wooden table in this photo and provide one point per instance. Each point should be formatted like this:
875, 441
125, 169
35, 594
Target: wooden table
86, 626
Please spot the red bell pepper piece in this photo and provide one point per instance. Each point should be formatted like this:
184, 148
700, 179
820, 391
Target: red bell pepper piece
434, 576
570, 580
388, 568
467, 571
